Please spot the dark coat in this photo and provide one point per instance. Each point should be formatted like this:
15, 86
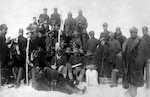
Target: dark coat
120, 38
44, 17
105, 35
22, 43
134, 54
59, 62
81, 21
3, 51
147, 42
75, 60
70, 24
92, 44
55, 19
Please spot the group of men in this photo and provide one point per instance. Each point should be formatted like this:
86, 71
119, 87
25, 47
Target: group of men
79, 55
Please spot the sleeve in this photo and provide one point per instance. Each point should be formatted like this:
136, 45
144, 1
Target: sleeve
86, 24
118, 46
141, 58
53, 60
64, 60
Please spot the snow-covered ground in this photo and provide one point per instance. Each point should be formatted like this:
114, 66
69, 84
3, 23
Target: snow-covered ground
100, 91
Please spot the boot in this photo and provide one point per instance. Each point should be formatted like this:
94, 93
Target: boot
128, 92
134, 91
94, 78
114, 79
88, 71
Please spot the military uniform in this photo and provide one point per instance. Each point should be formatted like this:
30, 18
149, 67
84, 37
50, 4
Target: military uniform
70, 24
120, 38
105, 35
92, 44
3, 51
134, 52
55, 19
43, 18
81, 23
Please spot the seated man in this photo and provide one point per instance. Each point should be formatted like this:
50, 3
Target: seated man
75, 65
117, 72
91, 72
58, 63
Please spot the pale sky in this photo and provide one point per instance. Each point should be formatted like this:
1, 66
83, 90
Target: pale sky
124, 13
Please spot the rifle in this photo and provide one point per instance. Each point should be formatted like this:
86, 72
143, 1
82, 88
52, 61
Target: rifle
27, 60
148, 73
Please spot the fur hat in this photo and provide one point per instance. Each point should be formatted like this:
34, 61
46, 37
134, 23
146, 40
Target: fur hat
133, 30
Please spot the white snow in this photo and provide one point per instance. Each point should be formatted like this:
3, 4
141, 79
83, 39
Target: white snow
100, 91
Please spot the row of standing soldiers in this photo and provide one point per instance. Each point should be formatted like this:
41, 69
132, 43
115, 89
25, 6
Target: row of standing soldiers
114, 56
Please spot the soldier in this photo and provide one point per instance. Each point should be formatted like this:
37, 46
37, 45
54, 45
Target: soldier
146, 38
34, 24
92, 42
76, 62
81, 22
114, 50
76, 41
69, 24
91, 69
3, 45
134, 52
44, 17
55, 18
105, 33
118, 36
58, 63
100, 56
20, 63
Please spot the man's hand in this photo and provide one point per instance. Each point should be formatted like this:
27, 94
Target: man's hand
53, 66
116, 70
60, 68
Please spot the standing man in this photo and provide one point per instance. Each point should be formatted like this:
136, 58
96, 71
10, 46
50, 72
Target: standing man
20, 64
92, 42
81, 22
69, 24
146, 38
3, 45
134, 54
3, 48
34, 24
118, 36
55, 18
105, 33
44, 18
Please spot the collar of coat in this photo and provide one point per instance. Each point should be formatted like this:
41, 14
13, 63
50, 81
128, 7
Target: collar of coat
135, 42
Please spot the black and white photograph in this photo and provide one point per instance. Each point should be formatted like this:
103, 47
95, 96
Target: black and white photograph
74, 48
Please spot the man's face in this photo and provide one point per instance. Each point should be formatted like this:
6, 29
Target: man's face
118, 30
4, 31
34, 20
145, 30
29, 35
45, 11
105, 28
80, 13
103, 42
45, 26
133, 35
75, 53
20, 33
91, 35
